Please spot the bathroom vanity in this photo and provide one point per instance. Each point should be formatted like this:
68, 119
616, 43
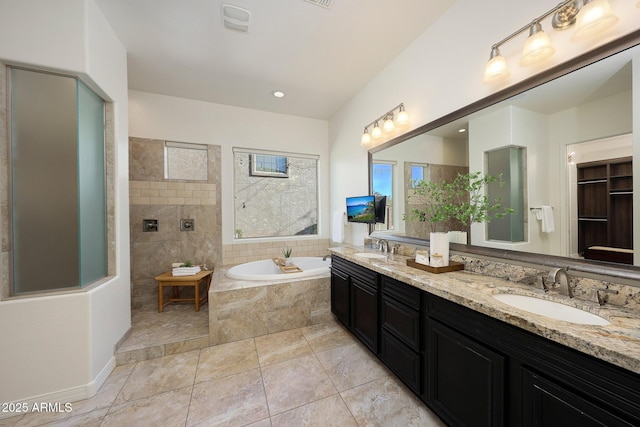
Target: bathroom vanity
476, 361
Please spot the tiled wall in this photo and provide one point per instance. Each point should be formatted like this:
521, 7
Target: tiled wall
238, 253
154, 197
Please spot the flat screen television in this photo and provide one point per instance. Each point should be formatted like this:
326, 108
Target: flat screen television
361, 209
380, 208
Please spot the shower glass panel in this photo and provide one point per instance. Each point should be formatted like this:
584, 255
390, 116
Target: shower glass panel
57, 183
91, 186
509, 163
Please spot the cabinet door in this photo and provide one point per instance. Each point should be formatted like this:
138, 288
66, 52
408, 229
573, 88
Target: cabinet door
465, 379
340, 296
364, 313
546, 404
403, 361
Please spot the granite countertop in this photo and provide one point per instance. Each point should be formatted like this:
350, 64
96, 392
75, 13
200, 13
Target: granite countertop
617, 343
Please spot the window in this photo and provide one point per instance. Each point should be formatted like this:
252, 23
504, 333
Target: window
58, 183
269, 165
185, 161
382, 183
268, 207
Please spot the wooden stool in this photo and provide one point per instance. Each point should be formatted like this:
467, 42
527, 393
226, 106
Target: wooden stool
195, 281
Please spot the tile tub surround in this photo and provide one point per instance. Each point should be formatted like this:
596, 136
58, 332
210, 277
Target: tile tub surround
240, 309
241, 252
617, 343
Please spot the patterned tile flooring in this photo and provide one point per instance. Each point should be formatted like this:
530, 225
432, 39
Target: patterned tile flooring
313, 376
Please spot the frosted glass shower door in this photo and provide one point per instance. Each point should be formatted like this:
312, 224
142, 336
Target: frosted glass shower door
58, 237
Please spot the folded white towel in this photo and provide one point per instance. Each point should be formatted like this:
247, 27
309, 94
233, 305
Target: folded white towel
547, 219
185, 271
337, 227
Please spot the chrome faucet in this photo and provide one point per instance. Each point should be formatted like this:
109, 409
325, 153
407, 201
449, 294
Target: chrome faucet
324, 258
561, 278
383, 245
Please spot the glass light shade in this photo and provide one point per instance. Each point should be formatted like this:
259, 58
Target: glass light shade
496, 70
594, 18
403, 117
388, 125
536, 49
366, 138
376, 132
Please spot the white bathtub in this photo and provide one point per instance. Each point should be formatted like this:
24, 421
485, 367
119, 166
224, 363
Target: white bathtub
267, 270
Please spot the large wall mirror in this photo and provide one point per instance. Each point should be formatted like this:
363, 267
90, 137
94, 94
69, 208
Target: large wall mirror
575, 123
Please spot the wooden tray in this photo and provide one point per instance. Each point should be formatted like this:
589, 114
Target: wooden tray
290, 269
453, 266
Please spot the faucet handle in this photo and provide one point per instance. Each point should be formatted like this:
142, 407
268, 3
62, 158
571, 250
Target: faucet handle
601, 296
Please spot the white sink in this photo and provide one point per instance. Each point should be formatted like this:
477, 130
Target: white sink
370, 255
551, 309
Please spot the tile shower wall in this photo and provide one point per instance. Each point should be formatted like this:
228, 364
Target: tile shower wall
239, 253
154, 197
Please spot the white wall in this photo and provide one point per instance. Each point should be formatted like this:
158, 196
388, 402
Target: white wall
441, 72
178, 119
60, 348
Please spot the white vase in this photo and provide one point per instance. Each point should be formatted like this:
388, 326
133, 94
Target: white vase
439, 249
458, 237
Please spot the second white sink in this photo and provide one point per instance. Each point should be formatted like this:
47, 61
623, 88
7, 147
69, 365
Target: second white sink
370, 255
551, 309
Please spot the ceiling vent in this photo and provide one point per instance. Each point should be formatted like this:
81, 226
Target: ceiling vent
235, 18
324, 3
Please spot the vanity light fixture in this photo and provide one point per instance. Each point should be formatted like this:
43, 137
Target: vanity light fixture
389, 125
591, 17
595, 17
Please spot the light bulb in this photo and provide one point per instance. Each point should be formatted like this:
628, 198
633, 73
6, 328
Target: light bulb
537, 48
595, 17
366, 138
388, 125
376, 132
496, 69
403, 117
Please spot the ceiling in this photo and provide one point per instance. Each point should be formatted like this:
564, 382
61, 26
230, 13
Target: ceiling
320, 57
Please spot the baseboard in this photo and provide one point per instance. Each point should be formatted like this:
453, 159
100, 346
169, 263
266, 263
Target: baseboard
69, 395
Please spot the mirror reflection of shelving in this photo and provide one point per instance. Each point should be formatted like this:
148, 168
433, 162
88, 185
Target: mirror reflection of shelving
605, 207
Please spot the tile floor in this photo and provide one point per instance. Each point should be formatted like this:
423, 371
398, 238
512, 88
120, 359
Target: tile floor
314, 376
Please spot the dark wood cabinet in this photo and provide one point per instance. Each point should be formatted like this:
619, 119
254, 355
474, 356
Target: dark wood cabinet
474, 370
364, 313
400, 337
340, 296
354, 300
466, 379
605, 209
546, 403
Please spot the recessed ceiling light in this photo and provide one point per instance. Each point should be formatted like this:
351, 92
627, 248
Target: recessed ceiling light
463, 130
278, 93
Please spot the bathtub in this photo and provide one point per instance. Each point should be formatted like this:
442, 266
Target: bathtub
267, 270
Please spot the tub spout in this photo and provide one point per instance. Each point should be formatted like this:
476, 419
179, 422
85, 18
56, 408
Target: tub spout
324, 258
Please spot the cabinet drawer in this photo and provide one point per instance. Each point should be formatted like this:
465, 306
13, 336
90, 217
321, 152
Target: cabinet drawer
404, 293
404, 362
402, 321
363, 274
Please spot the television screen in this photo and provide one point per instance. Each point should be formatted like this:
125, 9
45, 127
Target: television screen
381, 208
361, 209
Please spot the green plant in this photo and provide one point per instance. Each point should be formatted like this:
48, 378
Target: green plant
187, 264
471, 204
433, 204
286, 252
443, 204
